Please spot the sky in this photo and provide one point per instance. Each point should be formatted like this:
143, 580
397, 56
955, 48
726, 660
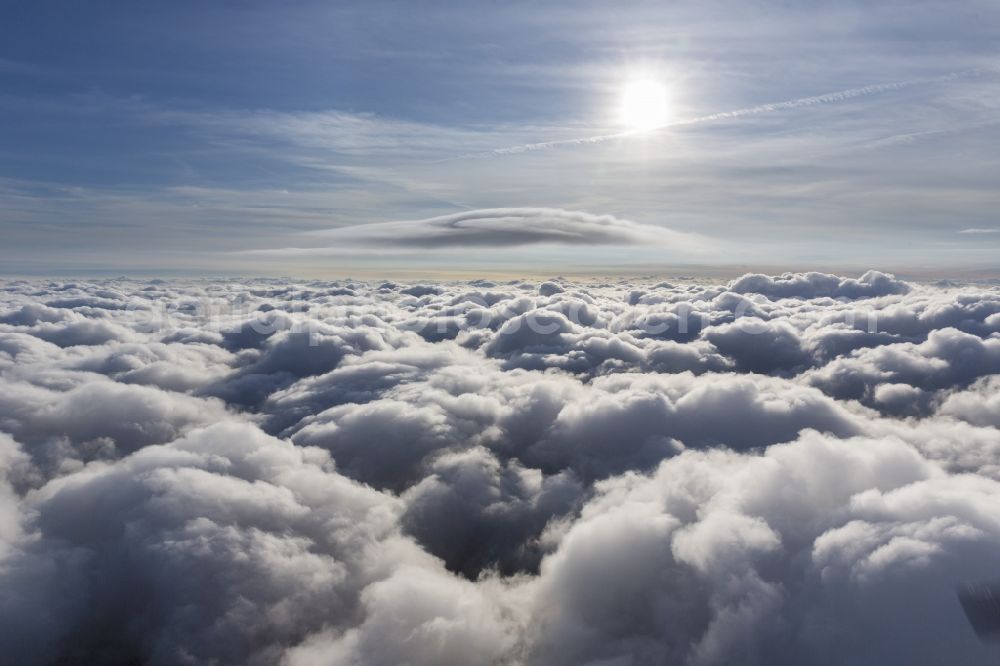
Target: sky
255, 137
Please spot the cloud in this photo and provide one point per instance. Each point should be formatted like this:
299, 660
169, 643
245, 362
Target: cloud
979, 404
947, 359
775, 469
234, 542
979, 231
499, 227
816, 285
813, 100
810, 551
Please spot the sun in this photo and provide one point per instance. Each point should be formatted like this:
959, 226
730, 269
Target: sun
644, 105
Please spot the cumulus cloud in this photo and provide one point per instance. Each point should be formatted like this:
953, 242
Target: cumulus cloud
774, 469
813, 285
979, 404
814, 552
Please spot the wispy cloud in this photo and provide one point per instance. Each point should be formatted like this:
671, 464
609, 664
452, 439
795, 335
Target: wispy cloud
979, 230
814, 100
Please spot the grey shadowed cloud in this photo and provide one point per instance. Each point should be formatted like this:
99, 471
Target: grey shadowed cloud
497, 228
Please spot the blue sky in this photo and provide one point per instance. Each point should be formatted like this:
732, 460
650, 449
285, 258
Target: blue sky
208, 137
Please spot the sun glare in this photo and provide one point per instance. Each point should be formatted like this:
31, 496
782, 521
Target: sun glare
644, 105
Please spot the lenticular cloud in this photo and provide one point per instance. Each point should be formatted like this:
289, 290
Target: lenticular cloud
494, 228
776, 470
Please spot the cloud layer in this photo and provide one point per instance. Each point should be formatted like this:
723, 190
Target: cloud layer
776, 470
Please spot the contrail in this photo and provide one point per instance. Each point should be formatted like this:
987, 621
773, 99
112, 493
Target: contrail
826, 98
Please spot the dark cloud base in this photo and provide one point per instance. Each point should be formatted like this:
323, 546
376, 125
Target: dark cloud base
779, 470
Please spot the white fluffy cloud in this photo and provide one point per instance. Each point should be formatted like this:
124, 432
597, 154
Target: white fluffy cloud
776, 470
